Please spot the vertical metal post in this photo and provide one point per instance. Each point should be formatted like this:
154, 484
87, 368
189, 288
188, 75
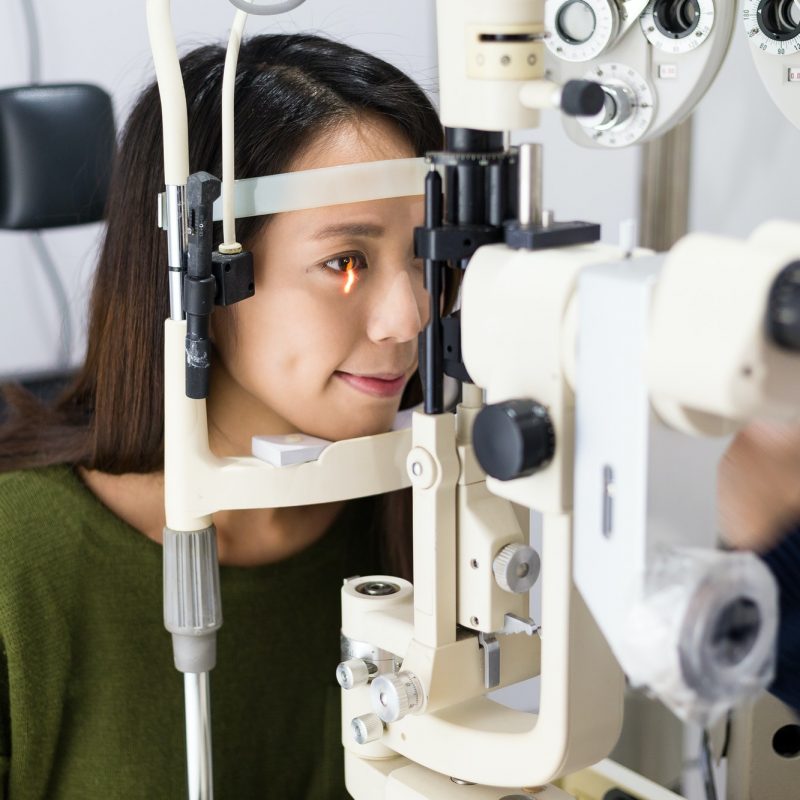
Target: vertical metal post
433, 379
529, 202
665, 170
198, 735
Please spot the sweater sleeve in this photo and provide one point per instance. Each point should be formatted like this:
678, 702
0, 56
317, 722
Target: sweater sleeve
784, 562
5, 724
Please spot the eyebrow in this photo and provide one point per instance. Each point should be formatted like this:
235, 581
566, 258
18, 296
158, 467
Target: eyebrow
349, 229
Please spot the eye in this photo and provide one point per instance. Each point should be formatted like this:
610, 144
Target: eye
348, 263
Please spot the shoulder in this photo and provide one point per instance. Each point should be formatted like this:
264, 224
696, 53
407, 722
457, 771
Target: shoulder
33, 493
39, 511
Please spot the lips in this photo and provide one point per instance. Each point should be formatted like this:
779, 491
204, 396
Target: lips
381, 385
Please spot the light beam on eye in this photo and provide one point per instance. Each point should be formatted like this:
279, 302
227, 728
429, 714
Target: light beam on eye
351, 279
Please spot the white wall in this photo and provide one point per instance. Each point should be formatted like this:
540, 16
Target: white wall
743, 161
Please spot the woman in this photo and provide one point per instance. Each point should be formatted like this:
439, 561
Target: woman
90, 704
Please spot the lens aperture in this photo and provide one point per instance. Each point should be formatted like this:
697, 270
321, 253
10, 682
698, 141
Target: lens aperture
676, 19
575, 22
779, 19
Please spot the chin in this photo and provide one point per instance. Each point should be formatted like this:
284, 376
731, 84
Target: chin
368, 423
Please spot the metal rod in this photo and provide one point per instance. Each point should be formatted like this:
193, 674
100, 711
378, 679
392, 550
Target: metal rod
664, 189
177, 246
529, 189
198, 735
433, 379
707, 768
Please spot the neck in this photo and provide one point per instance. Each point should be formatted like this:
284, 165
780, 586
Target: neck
245, 538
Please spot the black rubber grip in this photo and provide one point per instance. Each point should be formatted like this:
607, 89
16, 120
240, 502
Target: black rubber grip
582, 98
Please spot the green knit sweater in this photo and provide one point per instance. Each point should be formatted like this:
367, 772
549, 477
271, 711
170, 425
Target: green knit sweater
91, 706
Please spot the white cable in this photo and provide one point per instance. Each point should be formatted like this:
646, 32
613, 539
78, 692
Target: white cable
275, 8
34, 51
228, 167
170, 87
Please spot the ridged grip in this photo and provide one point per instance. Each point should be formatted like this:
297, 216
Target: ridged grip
366, 728
516, 568
395, 696
192, 602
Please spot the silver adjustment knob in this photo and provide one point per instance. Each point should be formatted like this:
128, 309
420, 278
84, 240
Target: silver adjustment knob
617, 109
395, 696
366, 728
516, 568
355, 672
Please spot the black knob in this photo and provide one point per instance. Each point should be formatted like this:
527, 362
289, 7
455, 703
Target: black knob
582, 98
617, 794
513, 439
783, 308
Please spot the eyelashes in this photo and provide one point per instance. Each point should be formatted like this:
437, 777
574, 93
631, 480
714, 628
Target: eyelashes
348, 266
346, 263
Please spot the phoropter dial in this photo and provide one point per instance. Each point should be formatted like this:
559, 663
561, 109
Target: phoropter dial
628, 109
773, 26
677, 26
580, 30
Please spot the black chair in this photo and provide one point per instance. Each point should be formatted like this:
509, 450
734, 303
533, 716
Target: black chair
57, 144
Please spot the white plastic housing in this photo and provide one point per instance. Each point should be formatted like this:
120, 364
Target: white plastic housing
514, 304
709, 359
677, 81
776, 62
480, 81
636, 514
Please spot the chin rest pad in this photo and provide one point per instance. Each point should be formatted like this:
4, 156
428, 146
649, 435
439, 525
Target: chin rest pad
56, 149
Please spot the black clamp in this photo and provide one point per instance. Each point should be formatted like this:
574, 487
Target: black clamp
233, 273
211, 279
453, 361
454, 243
556, 234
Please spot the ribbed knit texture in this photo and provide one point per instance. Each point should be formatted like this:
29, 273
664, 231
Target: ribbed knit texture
784, 561
91, 706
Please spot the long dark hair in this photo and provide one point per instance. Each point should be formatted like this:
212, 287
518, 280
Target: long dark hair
289, 89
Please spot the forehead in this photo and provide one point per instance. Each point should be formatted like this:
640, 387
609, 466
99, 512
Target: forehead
368, 220
351, 142
367, 138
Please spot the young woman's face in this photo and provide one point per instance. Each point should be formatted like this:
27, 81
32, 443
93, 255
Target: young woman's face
329, 341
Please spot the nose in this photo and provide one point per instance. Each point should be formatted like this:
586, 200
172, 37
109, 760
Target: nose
399, 309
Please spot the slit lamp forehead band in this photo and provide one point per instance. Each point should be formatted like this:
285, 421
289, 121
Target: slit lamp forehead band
327, 186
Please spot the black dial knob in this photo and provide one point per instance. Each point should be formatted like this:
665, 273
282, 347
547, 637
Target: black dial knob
513, 439
783, 308
582, 98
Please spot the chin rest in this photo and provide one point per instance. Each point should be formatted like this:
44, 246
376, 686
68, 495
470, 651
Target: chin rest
56, 149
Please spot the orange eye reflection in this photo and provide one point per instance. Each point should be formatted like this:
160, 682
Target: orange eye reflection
352, 276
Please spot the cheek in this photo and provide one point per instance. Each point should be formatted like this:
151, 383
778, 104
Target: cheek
291, 336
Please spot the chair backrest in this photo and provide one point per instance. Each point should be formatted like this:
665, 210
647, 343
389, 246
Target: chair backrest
57, 145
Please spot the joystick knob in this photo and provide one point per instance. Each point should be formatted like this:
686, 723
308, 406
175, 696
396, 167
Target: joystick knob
513, 439
783, 308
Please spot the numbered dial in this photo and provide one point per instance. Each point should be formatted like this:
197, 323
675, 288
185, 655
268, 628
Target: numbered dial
580, 30
677, 26
773, 26
628, 110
